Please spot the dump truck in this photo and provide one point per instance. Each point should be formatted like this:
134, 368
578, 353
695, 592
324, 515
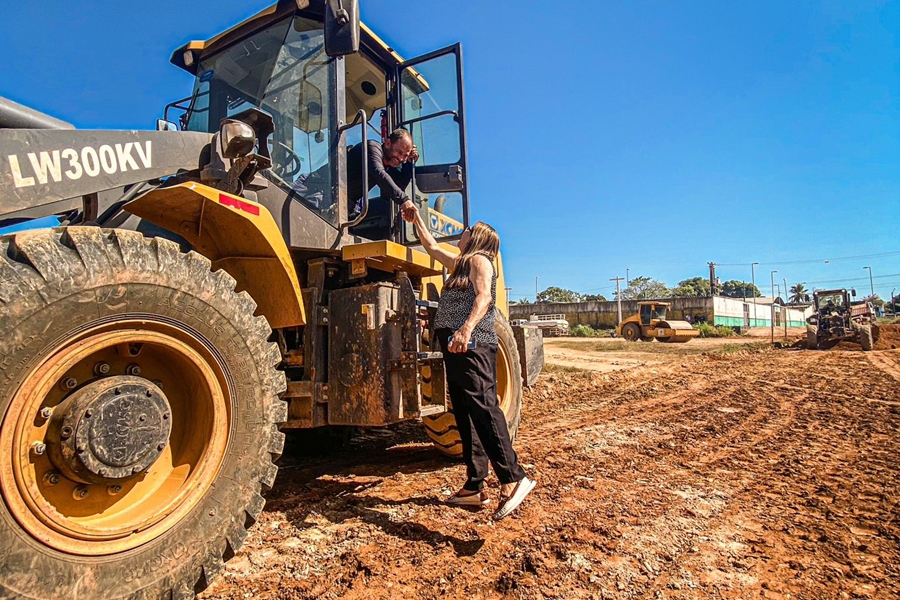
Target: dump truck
650, 323
171, 299
837, 318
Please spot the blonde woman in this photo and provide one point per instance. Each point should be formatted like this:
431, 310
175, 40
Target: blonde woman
464, 326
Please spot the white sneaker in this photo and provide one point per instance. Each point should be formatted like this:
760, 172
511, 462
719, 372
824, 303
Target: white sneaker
522, 489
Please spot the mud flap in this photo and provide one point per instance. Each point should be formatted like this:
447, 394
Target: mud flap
530, 344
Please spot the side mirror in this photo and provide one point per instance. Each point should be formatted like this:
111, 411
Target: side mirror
341, 27
163, 125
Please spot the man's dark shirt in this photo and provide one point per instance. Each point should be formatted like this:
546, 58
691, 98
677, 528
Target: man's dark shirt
391, 181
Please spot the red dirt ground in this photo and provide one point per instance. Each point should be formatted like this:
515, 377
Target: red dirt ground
709, 473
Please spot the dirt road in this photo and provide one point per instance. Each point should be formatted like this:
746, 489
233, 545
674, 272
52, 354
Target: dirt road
719, 471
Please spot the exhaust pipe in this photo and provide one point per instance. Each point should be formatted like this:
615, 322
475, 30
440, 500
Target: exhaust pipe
15, 116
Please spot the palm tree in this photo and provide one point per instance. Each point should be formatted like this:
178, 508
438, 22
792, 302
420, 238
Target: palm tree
799, 294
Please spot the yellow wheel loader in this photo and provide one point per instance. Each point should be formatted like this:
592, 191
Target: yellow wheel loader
650, 323
170, 299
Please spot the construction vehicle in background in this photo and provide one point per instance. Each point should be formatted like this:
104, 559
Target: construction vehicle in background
650, 323
837, 318
550, 325
170, 299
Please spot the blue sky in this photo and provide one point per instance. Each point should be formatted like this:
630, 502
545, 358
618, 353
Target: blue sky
603, 136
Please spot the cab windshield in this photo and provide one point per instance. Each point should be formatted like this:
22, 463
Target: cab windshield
831, 300
283, 71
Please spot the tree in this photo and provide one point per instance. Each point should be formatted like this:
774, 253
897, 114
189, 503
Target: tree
644, 288
555, 294
593, 298
875, 300
694, 287
799, 294
521, 301
740, 289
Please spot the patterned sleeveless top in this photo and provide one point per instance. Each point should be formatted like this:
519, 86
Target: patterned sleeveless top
455, 306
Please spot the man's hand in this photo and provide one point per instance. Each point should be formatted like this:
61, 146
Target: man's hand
409, 211
413, 155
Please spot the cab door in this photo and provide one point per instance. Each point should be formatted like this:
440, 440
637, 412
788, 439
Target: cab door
429, 103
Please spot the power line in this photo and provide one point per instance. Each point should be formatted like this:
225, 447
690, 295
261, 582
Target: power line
813, 260
854, 279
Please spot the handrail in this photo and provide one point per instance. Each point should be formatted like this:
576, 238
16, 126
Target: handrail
431, 116
361, 120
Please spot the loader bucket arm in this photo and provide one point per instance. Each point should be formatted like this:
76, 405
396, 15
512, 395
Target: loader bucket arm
39, 167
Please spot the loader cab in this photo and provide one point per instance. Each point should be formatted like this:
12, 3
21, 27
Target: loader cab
831, 300
324, 105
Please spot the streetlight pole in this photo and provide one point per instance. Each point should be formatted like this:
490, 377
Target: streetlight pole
535, 288
753, 291
871, 285
627, 271
508, 290
772, 277
618, 299
893, 306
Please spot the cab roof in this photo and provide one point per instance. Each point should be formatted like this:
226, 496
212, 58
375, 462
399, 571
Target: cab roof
275, 12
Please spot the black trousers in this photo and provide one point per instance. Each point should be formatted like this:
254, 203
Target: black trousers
472, 383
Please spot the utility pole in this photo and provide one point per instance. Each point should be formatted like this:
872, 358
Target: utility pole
618, 299
871, 285
753, 291
627, 272
772, 276
508, 290
535, 289
712, 278
784, 311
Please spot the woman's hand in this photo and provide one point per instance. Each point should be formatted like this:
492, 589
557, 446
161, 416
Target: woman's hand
460, 341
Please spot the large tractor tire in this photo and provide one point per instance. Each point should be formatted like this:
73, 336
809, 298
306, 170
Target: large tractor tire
865, 338
442, 428
140, 410
631, 332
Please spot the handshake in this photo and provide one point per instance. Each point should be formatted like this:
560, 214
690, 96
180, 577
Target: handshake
409, 212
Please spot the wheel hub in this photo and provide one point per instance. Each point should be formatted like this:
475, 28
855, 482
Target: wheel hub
109, 430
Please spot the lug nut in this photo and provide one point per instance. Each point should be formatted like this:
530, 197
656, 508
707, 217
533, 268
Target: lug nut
51, 478
114, 490
101, 368
133, 370
46, 412
80, 492
158, 383
66, 432
39, 448
69, 383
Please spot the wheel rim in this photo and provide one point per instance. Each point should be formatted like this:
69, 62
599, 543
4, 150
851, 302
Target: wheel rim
123, 512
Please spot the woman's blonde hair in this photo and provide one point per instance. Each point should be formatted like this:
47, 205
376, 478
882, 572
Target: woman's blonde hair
483, 240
